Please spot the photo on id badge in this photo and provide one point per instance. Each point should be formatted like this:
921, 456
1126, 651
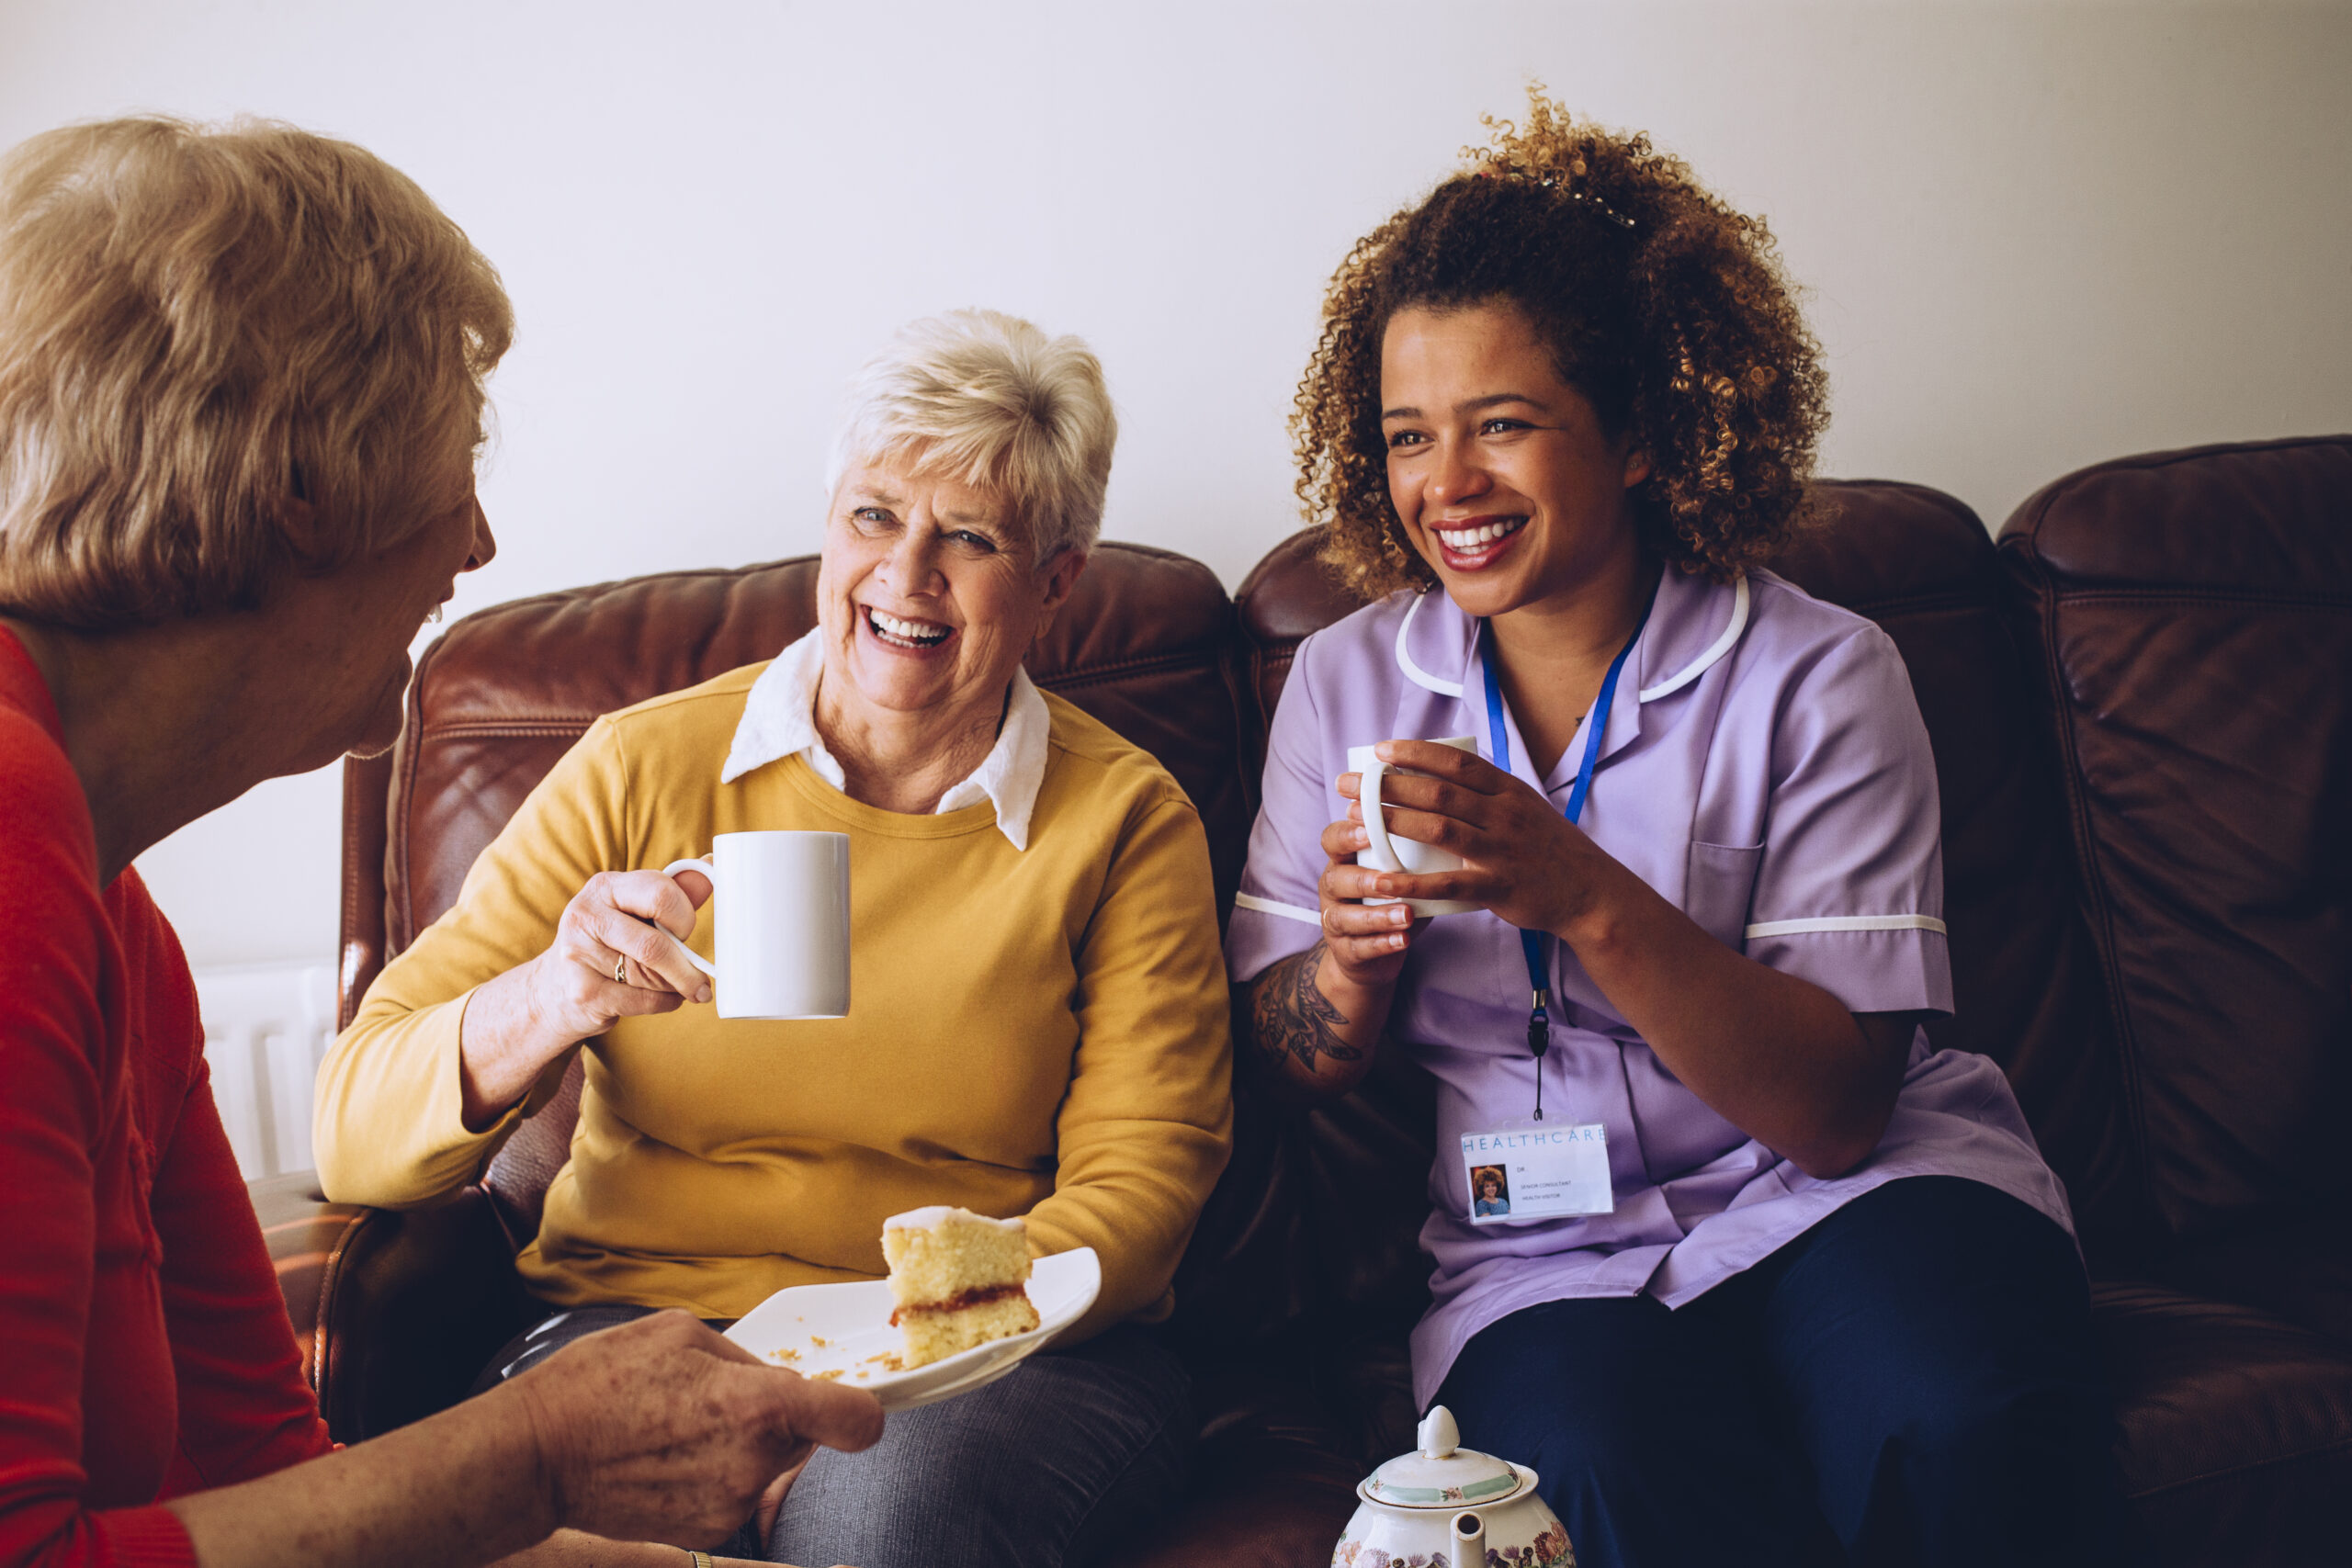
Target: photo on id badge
1537, 1171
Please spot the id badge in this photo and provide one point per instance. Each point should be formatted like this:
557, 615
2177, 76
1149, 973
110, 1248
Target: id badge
1538, 1172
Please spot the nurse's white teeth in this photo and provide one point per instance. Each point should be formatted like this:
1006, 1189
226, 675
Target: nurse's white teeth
914, 634
1467, 539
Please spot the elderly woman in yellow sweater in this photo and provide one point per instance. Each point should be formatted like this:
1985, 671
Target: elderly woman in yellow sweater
1040, 1017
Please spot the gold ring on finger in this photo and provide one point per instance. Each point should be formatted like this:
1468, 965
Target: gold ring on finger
620, 970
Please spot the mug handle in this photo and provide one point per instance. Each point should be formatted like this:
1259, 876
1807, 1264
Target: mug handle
1376, 829
711, 871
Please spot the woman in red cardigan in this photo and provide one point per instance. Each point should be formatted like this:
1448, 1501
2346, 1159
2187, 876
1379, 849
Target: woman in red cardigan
240, 399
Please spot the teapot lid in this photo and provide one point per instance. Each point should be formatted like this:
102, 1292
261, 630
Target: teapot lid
1440, 1473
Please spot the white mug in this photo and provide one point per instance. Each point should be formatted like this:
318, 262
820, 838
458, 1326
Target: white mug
782, 918
1399, 852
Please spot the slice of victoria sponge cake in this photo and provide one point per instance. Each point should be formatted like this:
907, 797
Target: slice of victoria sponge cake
958, 1278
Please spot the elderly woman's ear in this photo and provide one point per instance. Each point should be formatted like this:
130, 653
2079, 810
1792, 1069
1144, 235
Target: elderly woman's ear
309, 540
1060, 578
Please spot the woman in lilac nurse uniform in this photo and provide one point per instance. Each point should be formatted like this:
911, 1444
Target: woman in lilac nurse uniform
1776, 1280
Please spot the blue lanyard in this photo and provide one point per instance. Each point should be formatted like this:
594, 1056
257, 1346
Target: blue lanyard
1539, 966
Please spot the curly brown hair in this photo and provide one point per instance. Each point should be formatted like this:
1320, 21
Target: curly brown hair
1665, 308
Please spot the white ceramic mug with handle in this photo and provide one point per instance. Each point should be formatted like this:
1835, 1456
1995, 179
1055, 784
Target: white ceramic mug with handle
781, 912
1394, 851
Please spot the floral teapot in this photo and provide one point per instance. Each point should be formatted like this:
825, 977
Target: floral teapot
1448, 1506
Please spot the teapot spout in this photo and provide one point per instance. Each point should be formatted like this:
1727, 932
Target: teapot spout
1469, 1541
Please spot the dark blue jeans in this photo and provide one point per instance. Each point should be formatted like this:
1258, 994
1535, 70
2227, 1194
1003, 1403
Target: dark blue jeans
1043, 1468
1912, 1381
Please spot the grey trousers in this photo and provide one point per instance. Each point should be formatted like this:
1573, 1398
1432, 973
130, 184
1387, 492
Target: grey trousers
1045, 1468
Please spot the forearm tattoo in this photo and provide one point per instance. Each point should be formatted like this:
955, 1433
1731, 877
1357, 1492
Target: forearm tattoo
1296, 1022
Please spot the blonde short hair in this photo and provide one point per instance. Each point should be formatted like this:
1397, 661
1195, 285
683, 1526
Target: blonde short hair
993, 401
198, 325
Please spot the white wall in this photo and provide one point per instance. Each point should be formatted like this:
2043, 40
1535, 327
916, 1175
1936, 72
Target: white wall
2035, 237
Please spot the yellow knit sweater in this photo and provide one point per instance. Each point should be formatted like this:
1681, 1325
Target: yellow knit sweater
1037, 1032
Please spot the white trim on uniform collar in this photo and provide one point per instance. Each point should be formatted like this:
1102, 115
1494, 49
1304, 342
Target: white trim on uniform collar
780, 720
1414, 673
1668, 687
1715, 650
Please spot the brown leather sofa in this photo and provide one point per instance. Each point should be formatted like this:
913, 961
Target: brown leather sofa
2142, 717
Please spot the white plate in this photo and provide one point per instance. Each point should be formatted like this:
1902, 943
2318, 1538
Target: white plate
845, 1329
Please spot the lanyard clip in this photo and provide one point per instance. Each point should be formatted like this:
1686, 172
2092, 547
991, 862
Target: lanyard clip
1539, 1040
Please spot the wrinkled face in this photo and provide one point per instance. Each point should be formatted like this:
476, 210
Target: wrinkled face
930, 592
1499, 470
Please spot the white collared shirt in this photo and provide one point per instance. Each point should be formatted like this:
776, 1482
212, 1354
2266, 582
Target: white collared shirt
780, 720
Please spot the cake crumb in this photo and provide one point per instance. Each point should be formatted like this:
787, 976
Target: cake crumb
889, 1361
780, 1356
829, 1375
818, 1340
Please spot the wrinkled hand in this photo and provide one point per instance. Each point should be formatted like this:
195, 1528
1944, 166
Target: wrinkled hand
517, 1024
572, 993
1522, 858
661, 1430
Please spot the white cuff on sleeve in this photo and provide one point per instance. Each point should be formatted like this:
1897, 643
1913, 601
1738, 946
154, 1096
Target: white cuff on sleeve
1287, 911
1849, 923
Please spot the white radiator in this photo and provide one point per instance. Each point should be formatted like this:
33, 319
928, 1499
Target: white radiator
266, 1027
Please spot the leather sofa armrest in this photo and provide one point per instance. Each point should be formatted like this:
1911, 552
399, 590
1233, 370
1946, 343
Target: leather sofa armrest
302, 1231
396, 1311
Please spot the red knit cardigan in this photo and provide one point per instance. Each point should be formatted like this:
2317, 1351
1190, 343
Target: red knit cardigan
144, 1347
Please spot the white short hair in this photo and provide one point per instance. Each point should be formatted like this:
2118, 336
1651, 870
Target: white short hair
992, 400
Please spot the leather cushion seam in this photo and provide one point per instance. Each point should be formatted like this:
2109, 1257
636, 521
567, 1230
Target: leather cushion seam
2206, 1477
2266, 598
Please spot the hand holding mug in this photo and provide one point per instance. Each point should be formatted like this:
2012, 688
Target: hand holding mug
1399, 850
1366, 942
613, 956
1519, 857
1366, 934
619, 951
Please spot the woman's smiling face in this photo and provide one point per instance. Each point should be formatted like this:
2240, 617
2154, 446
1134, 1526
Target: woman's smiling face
1499, 470
930, 592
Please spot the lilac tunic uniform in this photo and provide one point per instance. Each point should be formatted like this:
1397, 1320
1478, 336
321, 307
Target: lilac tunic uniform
1765, 769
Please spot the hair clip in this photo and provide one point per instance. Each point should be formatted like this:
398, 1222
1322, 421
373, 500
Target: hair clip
1553, 180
